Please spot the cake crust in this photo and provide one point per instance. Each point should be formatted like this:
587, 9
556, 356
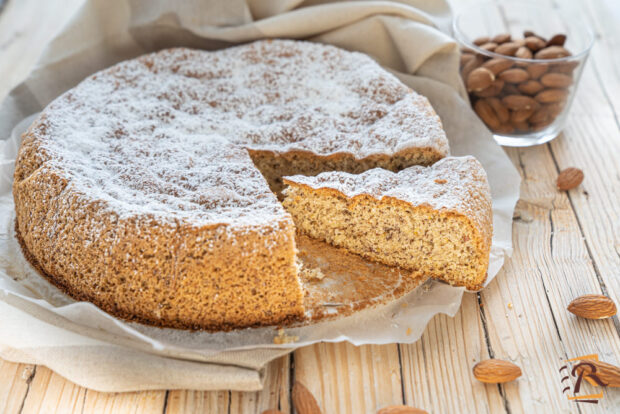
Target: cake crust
140, 190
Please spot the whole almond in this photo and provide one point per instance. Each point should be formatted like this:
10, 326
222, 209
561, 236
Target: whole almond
534, 43
303, 400
466, 57
529, 33
538, 126
586, 306
531, 87
490, 47
400, 409
501, 38
521, 126
551, 95
496, 371
506, 128
508, 49
511, 89
607, 373
523, 53
497, 65
555, 108
479, 79
521, 115
557, 40
492, 90
540, 115
556, 80
500, 110
517, 102
470, 66
565, 67
481, 40
487, 114
552, 52
514, 75
536, 70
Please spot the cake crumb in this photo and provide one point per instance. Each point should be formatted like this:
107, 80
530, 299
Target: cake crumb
315, 274
509, 305
408, 332
283, 338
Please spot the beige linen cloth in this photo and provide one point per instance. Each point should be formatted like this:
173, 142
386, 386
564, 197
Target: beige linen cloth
405, 37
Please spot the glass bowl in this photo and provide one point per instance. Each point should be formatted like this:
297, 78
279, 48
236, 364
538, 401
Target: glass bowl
524, 90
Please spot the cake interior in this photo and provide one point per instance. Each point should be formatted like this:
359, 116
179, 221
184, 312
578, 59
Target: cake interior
273, 165
443, 245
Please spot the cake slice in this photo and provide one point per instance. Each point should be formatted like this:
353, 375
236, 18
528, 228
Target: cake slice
436, 220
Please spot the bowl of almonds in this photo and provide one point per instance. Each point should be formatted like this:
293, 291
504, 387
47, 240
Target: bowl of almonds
521, 65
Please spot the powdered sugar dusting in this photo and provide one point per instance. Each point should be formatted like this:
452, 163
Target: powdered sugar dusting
166, 134
457, 184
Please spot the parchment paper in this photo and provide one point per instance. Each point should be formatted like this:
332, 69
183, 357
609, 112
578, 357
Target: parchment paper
39, 324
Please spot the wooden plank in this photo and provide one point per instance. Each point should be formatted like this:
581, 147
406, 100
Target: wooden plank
275, 392
551, 266
349, 379
592, 143
123, 402
51, 393
14, 385
437, 369
185, 401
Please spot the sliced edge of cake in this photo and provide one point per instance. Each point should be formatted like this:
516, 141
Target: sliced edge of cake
437, 219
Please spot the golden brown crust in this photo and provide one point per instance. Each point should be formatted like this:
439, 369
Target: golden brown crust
174, 265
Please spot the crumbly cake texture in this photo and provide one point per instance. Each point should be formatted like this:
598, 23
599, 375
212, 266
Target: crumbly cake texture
145, 189
436, 220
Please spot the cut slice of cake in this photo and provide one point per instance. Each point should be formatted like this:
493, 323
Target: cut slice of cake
436, 220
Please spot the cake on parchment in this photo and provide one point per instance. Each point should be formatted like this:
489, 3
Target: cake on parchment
146, 188
436, 220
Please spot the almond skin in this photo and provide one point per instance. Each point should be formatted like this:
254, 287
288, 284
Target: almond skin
534, 43
508, 49
523, 53
496, 371
556, 80
501, 38
497, 65
531, 87
517, 117
481, 40
479, 79
487, 114
471, 65
490, 47
517, 102
400, 409
536, 70
608, 374
515, 75
303, 400
589, 306
557, 40
552, 95
492, 90
552, 52
500, 110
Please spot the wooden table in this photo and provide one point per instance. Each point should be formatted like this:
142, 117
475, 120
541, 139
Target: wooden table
566, 245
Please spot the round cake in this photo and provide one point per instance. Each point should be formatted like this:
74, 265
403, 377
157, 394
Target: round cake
150, 188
